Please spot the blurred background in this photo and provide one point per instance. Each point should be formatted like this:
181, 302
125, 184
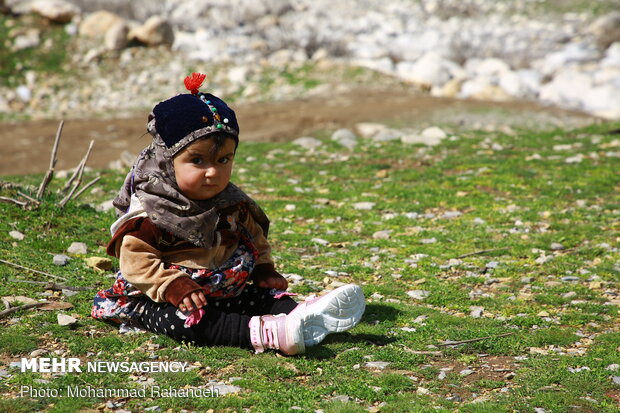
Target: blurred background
104, 64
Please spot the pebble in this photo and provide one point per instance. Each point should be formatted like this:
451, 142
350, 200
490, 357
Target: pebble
320, 241
616, 380
60, 259
16, 235
428, 240
476, 312
385, 234
341, 398
570, 278
555, 246
613, 367
466, 372
418, 294
377, 364
364, 206
308, 142
66, 320
77, 248
223, 389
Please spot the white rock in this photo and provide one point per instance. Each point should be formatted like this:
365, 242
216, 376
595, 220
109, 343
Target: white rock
364, 206
57, 11
368, 129
612, 56
490, 67
385, 234
16, 235
430, 70
308, 142
345, 137
66, 320
418, 294
290, 207
320, 241
77, 248
603, 101
571, 54
387, 134
377, 364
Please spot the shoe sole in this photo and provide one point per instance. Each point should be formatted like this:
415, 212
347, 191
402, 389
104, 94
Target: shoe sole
334, 312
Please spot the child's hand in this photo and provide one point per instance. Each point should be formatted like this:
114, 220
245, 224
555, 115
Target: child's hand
271, 280
193, 301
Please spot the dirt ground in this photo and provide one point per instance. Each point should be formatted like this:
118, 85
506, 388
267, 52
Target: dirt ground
27, 146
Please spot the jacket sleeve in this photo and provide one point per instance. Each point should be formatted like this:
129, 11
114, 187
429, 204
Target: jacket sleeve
260, 241
141, 264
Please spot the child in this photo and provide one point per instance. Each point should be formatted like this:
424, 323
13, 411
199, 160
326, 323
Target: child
189, 241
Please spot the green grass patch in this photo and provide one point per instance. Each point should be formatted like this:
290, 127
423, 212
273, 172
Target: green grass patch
511, 251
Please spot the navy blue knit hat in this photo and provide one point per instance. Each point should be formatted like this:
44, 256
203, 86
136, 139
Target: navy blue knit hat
187, 117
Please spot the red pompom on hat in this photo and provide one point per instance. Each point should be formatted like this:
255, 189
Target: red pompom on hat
193, 82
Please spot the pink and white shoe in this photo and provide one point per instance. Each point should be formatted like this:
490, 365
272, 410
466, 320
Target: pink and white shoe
310, 322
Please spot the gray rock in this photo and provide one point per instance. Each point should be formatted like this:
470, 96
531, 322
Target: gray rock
60, 259
308, 142
385, 135
77, 248
466, 372
570, 278
418, 294
616, 380
556, 246
377, 364
341, 399
476, 312
345, 137
606, 29
224, 389
116, 37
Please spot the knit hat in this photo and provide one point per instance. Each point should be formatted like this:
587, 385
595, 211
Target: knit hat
184, 118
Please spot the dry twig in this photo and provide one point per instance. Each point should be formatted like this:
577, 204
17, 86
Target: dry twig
52, 285
79, 171
50, 172
32, 270
472, 340
85, 187
21, 307
469, 254
13, 201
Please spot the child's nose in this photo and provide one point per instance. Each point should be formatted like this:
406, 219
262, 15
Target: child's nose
211, 171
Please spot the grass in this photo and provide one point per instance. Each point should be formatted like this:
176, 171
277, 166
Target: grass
494, 203
48, 57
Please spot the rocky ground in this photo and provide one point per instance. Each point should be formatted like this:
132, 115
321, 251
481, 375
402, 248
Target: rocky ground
295, 69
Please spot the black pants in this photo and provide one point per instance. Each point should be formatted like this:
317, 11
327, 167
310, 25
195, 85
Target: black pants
225, 322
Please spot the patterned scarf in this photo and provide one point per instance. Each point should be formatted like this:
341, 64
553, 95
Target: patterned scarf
153, 181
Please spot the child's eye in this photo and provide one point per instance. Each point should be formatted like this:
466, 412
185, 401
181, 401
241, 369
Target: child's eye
196, 161
224, 160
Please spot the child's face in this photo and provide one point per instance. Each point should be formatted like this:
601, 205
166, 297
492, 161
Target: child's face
199, 174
